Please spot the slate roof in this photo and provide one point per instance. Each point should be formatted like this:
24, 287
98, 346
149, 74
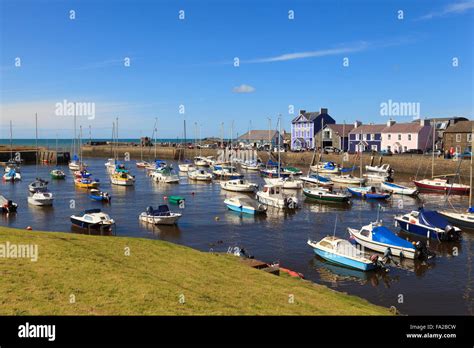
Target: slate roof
340, 128
461, 127
368, 129
404, 128
258, 135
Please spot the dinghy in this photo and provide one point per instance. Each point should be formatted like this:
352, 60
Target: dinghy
429, 224
464, 219
368, 193
38, 185
327, 195
99, 196
273, 173
165, 175
142, 164
377, 177
86, 183
287, 183
93, 219
176, 199
7, 205
442, 185
292, 171
384, 168
57, 174
160, 216
341, 252
379, 238
238, 185
399, 189
272, 195
200, 175
348, 179
244, 204
12, 175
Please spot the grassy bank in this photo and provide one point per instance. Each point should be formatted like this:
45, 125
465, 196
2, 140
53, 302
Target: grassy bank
151, 281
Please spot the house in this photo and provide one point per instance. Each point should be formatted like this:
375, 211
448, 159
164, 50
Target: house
257, 138
441, 124
306, 125
401, 137
457, 137
365, 137
335, 135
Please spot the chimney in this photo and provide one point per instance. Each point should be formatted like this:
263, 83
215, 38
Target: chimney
357, 124
302, 112
324, 110
424, 122
390, 123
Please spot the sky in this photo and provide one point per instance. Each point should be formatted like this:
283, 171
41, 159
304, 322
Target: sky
286, 63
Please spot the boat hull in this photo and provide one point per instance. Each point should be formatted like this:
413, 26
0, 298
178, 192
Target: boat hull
459, 219
398, 189
441, 188
326, 197
343, 261
160, 220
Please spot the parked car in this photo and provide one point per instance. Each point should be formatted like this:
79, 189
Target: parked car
386, 153
331, 149
436, 152
413, 152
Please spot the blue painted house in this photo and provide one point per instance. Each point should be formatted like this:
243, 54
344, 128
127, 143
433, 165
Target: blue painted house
366, 137
306, 125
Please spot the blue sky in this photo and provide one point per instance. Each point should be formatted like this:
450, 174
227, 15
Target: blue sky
190, 62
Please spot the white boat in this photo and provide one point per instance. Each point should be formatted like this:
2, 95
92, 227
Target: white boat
74, 165
165, 175
200, 175
272, 195
160, 216
384, 168
41, 198
93, 219
244, 204
186, 167
399, 189
464, 219
201, 161
377, 237
142, 164
110, 165
238, 185
326, 168
12, 175
287, 183
251, 165
377, 177
226, 172
348, 179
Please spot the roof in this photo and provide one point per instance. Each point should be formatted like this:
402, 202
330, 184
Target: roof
444, 119
340, 128
311, 116
258, 135
461, 127
411, 127
368, 128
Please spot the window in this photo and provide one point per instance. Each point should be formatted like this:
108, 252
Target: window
458, 138
458, 149
364, 136
389, 148
405, 149
399, 137
409, 136
389, 136
374, 147
357, 136
372, 136
469, 137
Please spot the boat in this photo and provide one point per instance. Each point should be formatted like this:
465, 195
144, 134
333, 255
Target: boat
463, 219
93, 219
292, 171
12, 164
176, 199
185, 167
110, 165
41, 198
238, 185
377, 237
442, 185
7, 205
287, 182
273, 173
272, 195
142, 164
226, 172
251, 165
200, 175
99, 196
384, 168
160, 216
165, 175
348, 179
326, 168
57, 174
201, 161
122, 179
38, 185
317, 180
369, 192
399, 189
12, 175
429, 224
327, 195
244, 204
377, 177
341, 252
86, 183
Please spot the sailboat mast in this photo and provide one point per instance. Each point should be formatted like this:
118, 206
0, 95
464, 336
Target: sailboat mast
471, 169
36, 141
279, 152
432, 152
11, 141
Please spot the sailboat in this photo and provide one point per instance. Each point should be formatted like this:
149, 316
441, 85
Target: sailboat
142, 163
75, 164
120, 174
57, 174
12, 169
39, 194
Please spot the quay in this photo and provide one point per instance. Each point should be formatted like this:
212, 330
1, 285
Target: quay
28, 155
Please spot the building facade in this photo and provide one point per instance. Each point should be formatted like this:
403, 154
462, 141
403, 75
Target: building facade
457, 138
401, 137
306, 125
364, 138
258, 138
335, 135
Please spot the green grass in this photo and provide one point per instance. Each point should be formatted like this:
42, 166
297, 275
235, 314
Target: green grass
104, 281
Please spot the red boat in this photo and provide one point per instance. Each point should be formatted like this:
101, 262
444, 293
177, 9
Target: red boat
441, 185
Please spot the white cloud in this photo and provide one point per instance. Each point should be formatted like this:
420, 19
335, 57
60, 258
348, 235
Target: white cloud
456, 8
243, 89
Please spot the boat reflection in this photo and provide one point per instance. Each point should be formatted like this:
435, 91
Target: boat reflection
165, 232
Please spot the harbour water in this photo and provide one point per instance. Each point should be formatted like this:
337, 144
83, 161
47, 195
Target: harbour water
443, 285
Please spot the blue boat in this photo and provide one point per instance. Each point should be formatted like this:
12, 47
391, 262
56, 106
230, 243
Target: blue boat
368, 193
429, 224
342, 252
99, 196
244, 204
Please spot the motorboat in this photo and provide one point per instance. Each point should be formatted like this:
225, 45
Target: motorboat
38, 185
317, 180
399, 189
93, 219
165, 175
7, 205
122, 179
200, 175
429, 224
292, 171
369, 192
326, 194
187, 166
272, 195
12, 175
251, 165
326, 168
442, 185
142, 164
160, 216
239, 185
86, 183
462, 219
376, 237
377, 177
289, 182
342, 252
41, 198
348, 179
226, 172
201, 161
57, 174
99, 196
384, 168
244, 204
273, 173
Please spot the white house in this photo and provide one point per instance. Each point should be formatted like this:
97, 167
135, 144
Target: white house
401, 137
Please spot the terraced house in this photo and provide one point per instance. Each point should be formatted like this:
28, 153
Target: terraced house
457, 138
365, 137
306, 125
401, 137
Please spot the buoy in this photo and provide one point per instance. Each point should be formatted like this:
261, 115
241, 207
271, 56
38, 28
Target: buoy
216, 218
29, 228
192, 193
165, 197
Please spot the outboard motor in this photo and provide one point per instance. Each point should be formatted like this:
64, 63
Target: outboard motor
450, 233
423, 252
149, 210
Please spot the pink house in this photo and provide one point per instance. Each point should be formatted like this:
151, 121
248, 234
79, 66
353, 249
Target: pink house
401, 137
